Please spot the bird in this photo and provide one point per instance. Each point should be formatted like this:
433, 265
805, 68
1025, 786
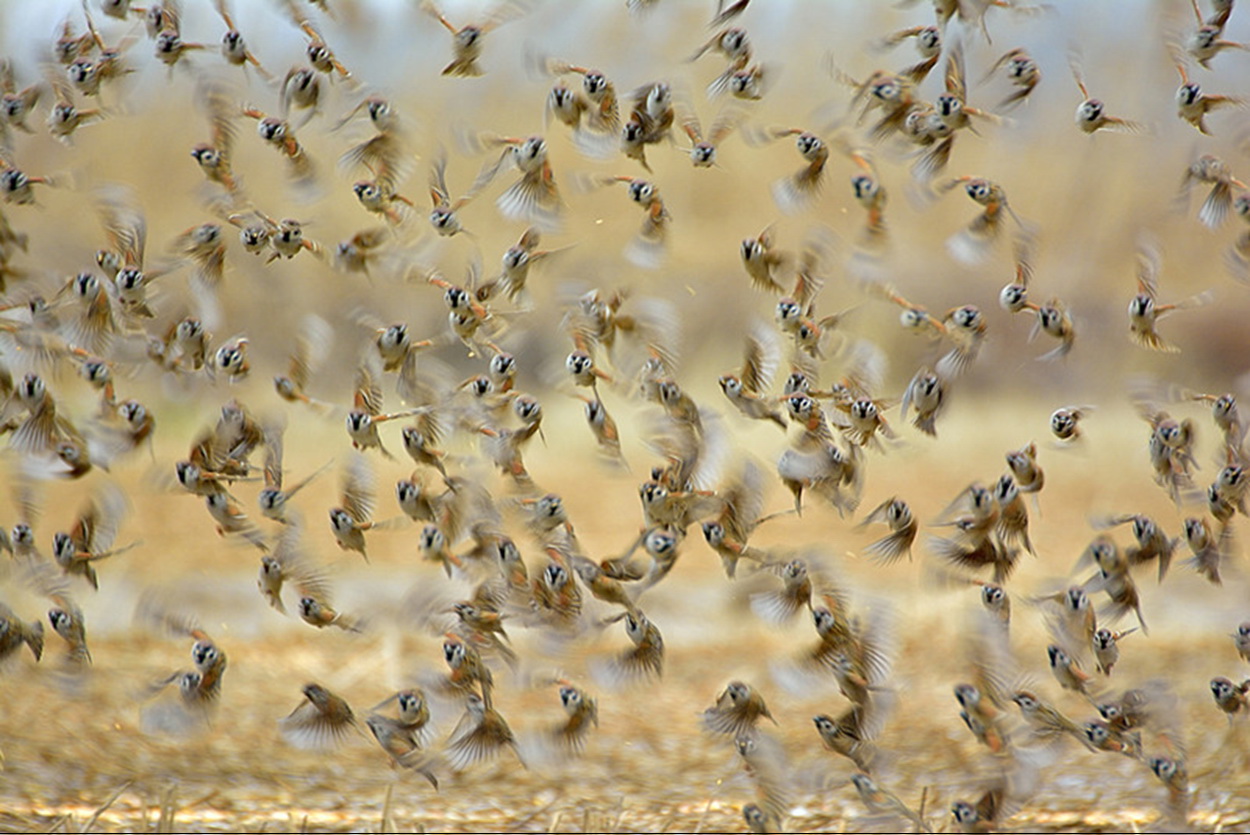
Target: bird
1091, 114
322, 720
354, 515
467, 39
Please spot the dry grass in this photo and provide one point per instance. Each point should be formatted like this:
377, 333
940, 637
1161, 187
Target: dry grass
75, 758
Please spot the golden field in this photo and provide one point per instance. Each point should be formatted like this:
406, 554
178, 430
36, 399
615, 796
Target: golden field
75, 754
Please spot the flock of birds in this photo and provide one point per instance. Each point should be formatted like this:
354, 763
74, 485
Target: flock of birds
122, 318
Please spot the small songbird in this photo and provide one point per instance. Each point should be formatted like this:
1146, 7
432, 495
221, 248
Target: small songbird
1241, 640
738, 708
583, 712
1013, 515
366, 251
170, 47
604, 428
1207, 41
231, 360
467, 40
317, 611
895, 95
1067, 672
534, 198
65, 118
366, 414
747, 84
468, 670
67, 621
1152, 543
480, 735
443, 215
1065, 422
553, 593
648, 248
354, 515
233, 47
765, 763
641, 662
797, 192
1054, 320
1091, 114
703, 147
981, 816
300, 89
1072, 620
881, 801
515, 267
849, 736
1103, 737
1193, 105
1106, 647
1018, 65
1113, 577
385, 158
402, 744
1045, 720
1211, 170
927, 394
230, 518
279, 133
981, 714
651, 119
205, 246
14, 632
1229, 697
16, 186
1172, 772
603, 585
781, 605
759, 820
951, 113
1030, 478
93, 535
323, 720
421, 441
748, 389
318, 52
895, 513
289, 562
761, 259
15, 105
274, 497
928, 41
743, 503
971, 244
1144, 311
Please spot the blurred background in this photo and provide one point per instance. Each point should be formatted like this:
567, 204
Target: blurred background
69, 747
